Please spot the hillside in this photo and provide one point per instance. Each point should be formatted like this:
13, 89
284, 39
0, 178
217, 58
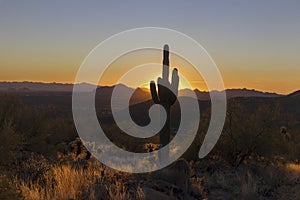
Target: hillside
230, 93
295, 94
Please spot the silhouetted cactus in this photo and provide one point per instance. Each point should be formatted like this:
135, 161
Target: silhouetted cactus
166, 94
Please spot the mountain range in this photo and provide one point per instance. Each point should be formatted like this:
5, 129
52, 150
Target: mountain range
140, 94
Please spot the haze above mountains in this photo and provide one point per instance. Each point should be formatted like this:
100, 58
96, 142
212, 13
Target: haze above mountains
28, 87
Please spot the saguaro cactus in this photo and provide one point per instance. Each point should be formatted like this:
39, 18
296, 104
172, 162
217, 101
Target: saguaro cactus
166, 94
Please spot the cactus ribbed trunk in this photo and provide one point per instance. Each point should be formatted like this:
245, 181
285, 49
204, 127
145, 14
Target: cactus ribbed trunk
164, 135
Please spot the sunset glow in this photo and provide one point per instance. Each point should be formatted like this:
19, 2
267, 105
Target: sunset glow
253, 46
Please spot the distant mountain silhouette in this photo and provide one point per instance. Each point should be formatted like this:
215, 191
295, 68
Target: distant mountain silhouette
35, 87
230, 93
295, 94
104, 93
58, 94
140, 94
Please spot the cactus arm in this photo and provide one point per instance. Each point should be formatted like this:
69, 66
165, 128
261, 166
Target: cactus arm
175, 81
153, 92
173, 87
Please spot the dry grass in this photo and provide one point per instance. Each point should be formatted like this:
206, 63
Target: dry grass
252, 181
64, 183
248, 185
295, 168
74, 180
7, 188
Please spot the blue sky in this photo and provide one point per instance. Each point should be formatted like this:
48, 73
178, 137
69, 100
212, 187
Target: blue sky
255, 43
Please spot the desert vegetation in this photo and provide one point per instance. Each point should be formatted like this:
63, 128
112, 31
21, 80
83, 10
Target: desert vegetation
42, 157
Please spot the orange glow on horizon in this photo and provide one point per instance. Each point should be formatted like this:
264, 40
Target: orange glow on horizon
240, 78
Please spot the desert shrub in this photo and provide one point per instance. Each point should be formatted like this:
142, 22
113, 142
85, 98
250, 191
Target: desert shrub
10, 143
11, 140
247, 134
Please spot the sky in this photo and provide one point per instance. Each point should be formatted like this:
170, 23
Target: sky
255, 44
